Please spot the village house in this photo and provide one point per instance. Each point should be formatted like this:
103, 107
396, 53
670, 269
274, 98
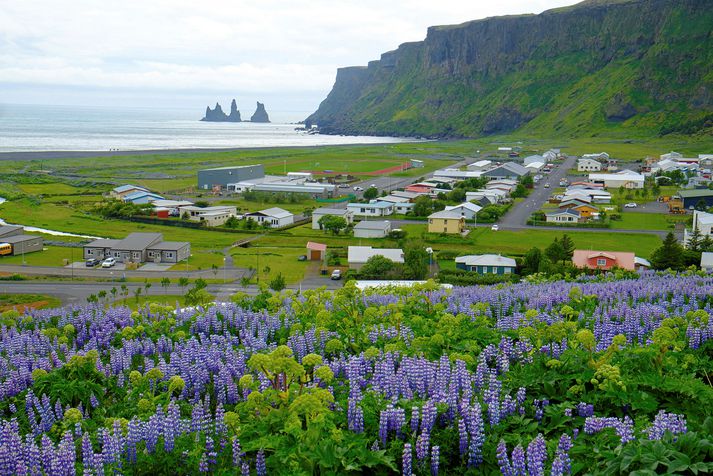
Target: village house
211, 216
357, 256
141, 197
372, 229
120, 192
509, 170
275, 217
562, 216
486, 264
467, 210
707, 261
138, 248
703, 222
316, 251
317, 214
376, 208
446, 222
625, 178
604, 260
588, 165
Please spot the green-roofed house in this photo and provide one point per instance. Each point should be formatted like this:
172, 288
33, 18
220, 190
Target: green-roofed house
691, 198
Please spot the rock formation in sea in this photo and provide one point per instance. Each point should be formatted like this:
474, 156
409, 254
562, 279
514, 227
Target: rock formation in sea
217, 115
260, 114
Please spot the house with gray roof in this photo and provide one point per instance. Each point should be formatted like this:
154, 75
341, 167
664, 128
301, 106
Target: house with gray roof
138, 248
317, 214
486, 264
509, 170
372, 229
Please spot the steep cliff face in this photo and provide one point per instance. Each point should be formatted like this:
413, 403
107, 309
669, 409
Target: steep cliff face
217, 115
596, 67
260, 114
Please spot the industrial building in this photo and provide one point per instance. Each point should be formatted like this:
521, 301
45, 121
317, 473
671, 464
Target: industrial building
209, 179
16, 242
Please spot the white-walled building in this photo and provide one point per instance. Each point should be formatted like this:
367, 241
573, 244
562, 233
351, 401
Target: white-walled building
375, 209
276, 217
588, 165
467, 210
212, 216
348, 215
624, 178
372, 229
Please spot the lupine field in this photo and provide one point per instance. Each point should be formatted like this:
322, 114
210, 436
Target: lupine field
600, 376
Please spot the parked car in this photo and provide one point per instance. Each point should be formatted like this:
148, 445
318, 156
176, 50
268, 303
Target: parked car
92, 262
547, 185
336, 274
630, 205
358, 189
302, 258
495, 227
344, 185
108, 263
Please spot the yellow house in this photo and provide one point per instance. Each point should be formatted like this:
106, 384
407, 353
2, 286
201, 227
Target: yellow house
446, 222
586, 211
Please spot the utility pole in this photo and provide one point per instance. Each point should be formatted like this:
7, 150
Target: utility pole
71, 261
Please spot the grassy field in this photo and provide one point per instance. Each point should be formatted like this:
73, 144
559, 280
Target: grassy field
164, 299
648, 221
271, 260
22, 301
49, 256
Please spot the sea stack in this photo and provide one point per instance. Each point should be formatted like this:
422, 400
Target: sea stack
217, 114
260, 114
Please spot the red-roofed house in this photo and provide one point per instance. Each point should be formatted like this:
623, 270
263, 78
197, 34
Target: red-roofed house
416, 188
603, 259
316, 251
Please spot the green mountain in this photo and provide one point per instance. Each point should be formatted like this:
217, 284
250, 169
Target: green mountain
596, 68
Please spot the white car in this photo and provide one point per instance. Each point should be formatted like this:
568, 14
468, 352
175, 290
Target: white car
336, 274
630, 205
358, 189
108, 263
495, 227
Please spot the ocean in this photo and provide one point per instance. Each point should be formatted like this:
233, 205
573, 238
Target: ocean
28, 128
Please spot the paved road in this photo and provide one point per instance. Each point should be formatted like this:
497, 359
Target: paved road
109, 273
519, 213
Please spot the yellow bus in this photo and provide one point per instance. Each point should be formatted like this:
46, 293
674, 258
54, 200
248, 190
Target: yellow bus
5, 249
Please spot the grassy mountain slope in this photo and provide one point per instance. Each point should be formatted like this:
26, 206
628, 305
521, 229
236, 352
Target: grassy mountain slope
599, 67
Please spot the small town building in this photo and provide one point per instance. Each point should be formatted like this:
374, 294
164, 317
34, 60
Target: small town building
357, 256
457, 174
14, 241
403, 208
317, 214
486, 264
411, 196
480, 165
372, 229
173, 206
703, 222
691, 198
220, 177
625, 178
585, 210
316, 251
276, 217
376, 208
168, 252
641, 264
707, 261
123, 190
138, 248
605, 260
211, 216
562, 216
446, 221
467, 210
509, 170
588, 165
416, 163
141, 197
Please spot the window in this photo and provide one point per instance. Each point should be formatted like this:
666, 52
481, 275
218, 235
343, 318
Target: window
90, 252
169, 254
507, 270
601, 262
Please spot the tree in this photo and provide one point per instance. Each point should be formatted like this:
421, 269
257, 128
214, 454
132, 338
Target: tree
277, 283
377, 267
250, 223
183, 282
332, 223
371, 193
519, 191
567, 247
706, 243
694, 241
531, 261
422, 206
415, 260
555, 252
137, 293
457, 195
527, 181
669, 255
701, 205
165, 283
232, 222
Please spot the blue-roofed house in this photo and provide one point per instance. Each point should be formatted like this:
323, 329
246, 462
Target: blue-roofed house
123, 190
486, 264
374, 209
139, 198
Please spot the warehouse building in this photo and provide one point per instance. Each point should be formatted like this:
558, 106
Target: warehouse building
222, 176
14, 241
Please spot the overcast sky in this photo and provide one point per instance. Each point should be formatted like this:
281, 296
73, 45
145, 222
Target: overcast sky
188, 53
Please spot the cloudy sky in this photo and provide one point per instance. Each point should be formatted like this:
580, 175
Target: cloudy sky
188, 53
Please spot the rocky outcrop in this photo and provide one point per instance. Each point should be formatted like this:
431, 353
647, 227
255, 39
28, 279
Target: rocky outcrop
260, 114
600, 66
217, 115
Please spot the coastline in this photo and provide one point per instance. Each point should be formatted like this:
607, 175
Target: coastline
83, 154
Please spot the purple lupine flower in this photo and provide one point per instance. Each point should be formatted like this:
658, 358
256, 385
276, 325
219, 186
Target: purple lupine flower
383, 426
561, 465
237, 452
260, 465
519, 467
422, 445
415, 416
93, 401
245, 469
435, 456
203, 464
585, 409
462, 437
664, 422
407, 460
536, 456
503, 460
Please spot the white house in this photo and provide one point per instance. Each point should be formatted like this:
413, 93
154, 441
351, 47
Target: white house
562, 216
211, 216
467, 210
457, 173
707, 261
480, 165
601, 156
486, 264
535, 166
372, 229
357, 256
671, 156
588, 165
702, 221
493, 195
377, 208
276, 217
348, 215
551, 155
624, 178
531, 159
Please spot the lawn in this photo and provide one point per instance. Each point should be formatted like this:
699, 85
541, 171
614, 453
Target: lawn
200, 260
165, 299
58, 188
49, 256
648, 221
23, 301
271, 260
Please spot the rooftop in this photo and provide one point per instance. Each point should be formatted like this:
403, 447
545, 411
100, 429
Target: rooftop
232, 167
373, 225
446, 214
361, 254
696, 193
311, 245
138, 241
486, 260
330, 211
274, 212
19, 238
378, 204
169, 245
6, 229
